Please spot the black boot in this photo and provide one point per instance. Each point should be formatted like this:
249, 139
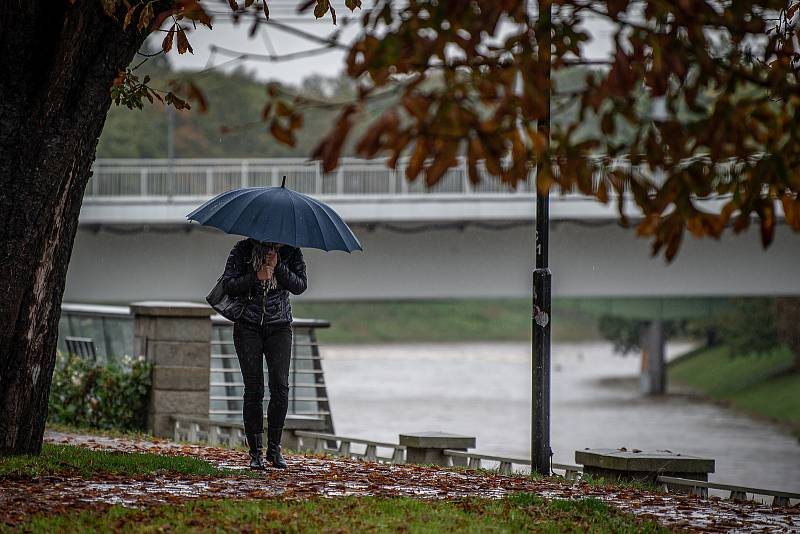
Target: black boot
256, 444
273, 455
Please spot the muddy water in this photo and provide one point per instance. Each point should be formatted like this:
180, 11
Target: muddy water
483, 390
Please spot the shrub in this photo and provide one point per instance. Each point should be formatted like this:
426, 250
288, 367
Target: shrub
83, 393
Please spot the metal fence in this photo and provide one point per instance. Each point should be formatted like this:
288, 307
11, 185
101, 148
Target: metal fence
109, 330
308, 394
208, 177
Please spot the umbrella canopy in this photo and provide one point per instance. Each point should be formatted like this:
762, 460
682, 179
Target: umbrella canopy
278, 215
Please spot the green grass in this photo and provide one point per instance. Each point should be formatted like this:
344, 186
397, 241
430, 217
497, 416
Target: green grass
440, 320
522, 512
105, 432
68, 460
761, 385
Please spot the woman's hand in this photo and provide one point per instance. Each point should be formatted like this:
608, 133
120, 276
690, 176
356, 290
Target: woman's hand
272, 258
265, 273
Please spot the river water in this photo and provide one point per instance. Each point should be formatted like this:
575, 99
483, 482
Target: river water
483, 390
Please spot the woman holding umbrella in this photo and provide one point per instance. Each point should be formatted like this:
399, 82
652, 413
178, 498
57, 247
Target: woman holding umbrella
264, 274
253, 292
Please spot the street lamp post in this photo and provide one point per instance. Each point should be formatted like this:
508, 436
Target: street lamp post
540, 369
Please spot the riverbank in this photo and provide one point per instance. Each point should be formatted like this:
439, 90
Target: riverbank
765, 386
440, 320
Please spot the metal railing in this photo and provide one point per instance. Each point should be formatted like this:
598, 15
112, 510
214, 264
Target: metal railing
505, 464
164, 178
308, 394
701, 487
319, 443
113, 326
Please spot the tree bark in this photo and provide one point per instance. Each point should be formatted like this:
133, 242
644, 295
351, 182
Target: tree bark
787, 311
58, 61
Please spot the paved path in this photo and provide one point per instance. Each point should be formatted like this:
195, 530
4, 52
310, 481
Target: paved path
313, 475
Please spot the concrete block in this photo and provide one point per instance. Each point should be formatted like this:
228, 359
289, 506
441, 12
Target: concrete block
169, 308
302, 422
181, 378
437, 440
642, 466
427, 447
643, 461
179, 353
170, 402
182, 329
144, 326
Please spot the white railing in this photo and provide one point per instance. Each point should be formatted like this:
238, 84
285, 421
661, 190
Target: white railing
208, 177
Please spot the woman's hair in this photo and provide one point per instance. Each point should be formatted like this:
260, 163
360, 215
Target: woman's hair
259, 255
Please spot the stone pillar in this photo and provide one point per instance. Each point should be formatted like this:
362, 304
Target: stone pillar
176, 338
427, 447
653, 380
643, 466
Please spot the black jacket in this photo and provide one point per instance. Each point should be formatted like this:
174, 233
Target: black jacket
264, 307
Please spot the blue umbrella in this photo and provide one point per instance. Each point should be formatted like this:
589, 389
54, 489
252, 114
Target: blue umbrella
277, 215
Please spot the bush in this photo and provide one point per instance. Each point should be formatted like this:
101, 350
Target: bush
83, 393
625, 334
749, 326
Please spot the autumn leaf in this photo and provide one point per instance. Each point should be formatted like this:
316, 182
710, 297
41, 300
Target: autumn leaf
195, 93
166, 45
183, 42
321, 8
281, 134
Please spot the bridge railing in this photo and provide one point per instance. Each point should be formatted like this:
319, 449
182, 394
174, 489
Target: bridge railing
208, 177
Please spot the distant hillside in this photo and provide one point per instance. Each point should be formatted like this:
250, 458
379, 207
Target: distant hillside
235, 103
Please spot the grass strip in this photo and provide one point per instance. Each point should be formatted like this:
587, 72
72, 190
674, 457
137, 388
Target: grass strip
70, 460
522, 512
440, 321
762, 385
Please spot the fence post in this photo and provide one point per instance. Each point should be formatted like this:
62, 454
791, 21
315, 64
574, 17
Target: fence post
464, 175
245, 171
209, 181
176, 338
143, 182
339, 181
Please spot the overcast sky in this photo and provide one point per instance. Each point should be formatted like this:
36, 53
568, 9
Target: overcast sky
272, 40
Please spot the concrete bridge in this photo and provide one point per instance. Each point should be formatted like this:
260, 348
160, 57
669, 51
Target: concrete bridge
451, 241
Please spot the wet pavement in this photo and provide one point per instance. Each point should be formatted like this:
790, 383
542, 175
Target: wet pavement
313, 476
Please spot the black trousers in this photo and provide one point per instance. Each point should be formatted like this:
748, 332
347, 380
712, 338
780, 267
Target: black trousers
252, 343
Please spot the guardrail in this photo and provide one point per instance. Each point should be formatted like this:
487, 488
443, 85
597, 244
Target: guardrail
208, 177
214, 433
317, 442
701, 487
474, 460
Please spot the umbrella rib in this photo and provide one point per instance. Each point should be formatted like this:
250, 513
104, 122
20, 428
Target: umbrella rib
207, 205
312, 205
254, 197
294, 215
335, 224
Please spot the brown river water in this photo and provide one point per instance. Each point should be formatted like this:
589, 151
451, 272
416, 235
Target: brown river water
484, 390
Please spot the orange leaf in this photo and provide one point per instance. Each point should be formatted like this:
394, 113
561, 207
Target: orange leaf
166, 45
417, 159
183, 42
281, 134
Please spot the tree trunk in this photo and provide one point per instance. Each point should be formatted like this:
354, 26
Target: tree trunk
787, 310
57, 63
